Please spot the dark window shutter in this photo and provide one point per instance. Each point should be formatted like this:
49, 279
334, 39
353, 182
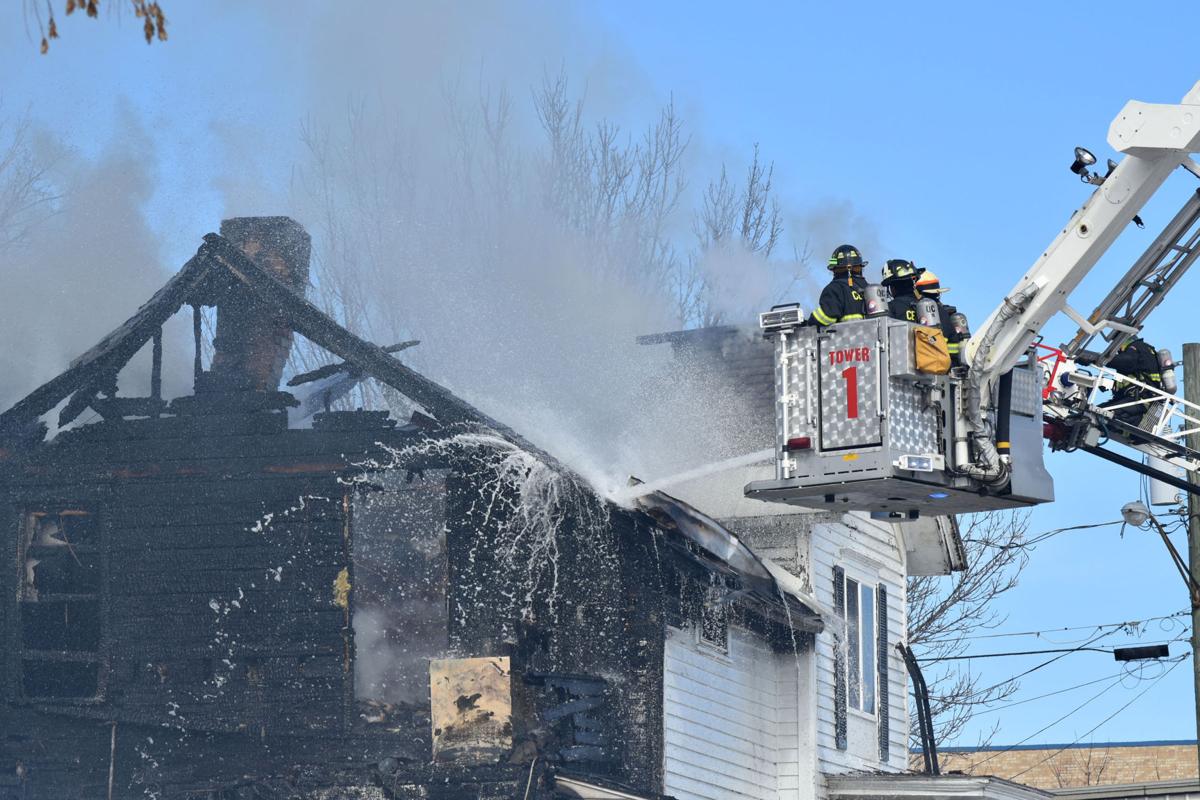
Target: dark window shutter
839, 660
881, 622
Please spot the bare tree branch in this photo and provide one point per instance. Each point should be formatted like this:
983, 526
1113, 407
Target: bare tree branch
943, 615
619, 193
734, 222
26, 194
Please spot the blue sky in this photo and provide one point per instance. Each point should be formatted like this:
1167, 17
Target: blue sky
947, 127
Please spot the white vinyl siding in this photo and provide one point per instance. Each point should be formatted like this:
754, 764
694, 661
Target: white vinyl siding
863, 547
731, 722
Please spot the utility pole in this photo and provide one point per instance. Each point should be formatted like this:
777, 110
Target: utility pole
1191, 393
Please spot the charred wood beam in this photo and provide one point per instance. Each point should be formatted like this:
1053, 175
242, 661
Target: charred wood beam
197, 337
121, 407
79, 402
333, 369
156, 367
86, 398
572, 707
317, 327
114, 351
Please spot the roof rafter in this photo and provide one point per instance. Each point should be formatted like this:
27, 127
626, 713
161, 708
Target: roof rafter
218, 257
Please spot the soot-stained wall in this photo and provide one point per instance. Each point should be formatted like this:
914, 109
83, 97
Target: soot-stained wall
575, 597
213, 605
180, 578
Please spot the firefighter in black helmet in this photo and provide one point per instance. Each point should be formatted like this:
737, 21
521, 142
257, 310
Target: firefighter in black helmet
842, 300
1136, 359
900, 277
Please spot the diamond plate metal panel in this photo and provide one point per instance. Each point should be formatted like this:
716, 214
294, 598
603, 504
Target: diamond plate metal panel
795, 359
1027, 392
912, 428
848, 375
902, 361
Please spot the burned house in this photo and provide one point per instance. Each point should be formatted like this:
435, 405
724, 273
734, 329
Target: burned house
244, 592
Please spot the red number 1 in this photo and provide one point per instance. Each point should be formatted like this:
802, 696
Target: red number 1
851, 376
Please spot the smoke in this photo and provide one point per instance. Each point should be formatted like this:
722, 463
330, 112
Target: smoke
495, 180
836, 221
82, 259
474, 176
740, 282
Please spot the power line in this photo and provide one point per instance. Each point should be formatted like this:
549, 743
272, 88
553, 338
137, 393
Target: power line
1041, 537
1082, 705
1064, 650
1124, 624
1129, 671
1136, 697
1119, 678
1036, 667
1004, 706
973, 656
1057, 657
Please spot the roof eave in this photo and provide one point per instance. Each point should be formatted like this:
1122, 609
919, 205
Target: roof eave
881, 786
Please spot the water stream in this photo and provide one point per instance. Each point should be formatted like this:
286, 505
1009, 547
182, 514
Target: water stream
626, 495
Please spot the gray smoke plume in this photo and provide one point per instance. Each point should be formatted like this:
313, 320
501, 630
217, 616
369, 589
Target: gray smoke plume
478, 178
492, 179
80, 258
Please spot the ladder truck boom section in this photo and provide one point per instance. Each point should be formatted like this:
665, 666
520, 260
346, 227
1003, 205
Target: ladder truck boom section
860, 425
1156, 139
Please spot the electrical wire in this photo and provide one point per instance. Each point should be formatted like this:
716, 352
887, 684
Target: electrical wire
1063, 653
1063, 650
974, 656
1077, 708
1041, 537
1005, 706
1037, 667
1136, 697
1041, 633
1131, 670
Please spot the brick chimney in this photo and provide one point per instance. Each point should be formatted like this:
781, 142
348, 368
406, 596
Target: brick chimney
252, 341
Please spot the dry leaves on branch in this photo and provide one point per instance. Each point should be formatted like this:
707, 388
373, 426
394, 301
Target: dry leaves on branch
91, 6
154, 21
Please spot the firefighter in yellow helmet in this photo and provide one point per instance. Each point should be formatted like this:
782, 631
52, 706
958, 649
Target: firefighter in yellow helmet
929, 286
842, 299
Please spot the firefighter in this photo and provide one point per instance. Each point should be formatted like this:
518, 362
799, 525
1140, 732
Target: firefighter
1136, 359
929, 286
900, 277
842, 299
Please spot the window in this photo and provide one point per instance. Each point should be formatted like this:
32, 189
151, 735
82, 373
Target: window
714, 620
59, 605
860, 645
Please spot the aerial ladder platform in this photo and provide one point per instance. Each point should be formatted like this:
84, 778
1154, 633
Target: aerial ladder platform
859, 426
